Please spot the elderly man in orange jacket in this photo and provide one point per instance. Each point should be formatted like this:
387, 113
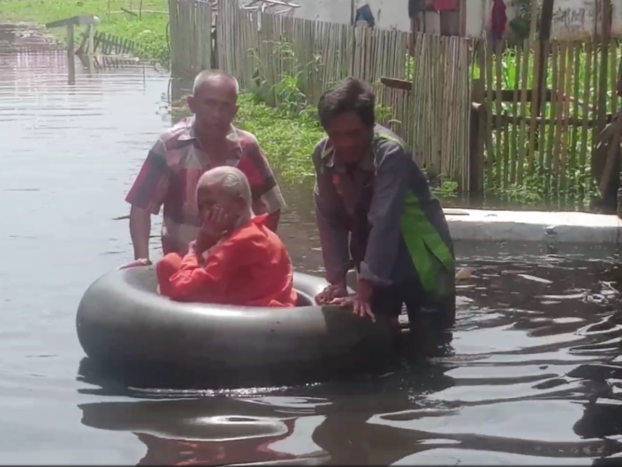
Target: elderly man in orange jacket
236, 259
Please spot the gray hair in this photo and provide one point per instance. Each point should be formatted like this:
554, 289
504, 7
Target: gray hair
233, 183
208, 75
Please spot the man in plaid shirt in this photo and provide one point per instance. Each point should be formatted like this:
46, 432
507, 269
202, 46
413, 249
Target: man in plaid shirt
175, 163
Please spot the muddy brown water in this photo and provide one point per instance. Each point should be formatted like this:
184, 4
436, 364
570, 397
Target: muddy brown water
533, 376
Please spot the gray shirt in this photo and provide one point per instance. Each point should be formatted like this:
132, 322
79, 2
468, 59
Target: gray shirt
394, 174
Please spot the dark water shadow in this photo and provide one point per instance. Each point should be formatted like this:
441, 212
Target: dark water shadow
328, 426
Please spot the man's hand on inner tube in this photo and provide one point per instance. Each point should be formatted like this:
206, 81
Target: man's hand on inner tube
330, 293
359, 302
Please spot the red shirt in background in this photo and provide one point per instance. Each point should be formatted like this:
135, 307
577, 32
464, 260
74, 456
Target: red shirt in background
249, 268
446, 5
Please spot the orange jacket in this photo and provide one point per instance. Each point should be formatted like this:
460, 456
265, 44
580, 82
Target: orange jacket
250, 268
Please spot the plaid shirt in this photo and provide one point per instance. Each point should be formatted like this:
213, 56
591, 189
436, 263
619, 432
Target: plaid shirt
170, 174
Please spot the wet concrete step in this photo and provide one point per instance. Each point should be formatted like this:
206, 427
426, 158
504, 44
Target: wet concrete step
536, 226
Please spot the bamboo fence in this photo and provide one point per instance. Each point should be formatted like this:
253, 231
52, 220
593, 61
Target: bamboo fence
551, 140
441, 106
190, 36
265, 51
530, 133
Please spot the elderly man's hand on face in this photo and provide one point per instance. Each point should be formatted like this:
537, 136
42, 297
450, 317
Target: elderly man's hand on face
216, 224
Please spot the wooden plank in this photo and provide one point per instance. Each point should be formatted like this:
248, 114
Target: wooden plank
501, 165
604, 63
506, 120
395, 83
129, 12
561, 70
563, 156
104, 43
486, 70
523, 72
476, 149
90, 48
519, 91
82, 48
70, 40
613, 68
507, 95
82, 20
546, 22
574, 140
541, 108
96, 41
534, 131
548, 175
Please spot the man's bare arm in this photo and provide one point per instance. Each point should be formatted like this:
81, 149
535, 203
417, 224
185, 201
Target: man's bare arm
140, 230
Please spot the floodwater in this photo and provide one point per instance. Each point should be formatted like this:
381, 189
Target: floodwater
534, 376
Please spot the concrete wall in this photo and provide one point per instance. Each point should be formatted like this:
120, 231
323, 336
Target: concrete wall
389, 14
572, 19
576, 19
333, 11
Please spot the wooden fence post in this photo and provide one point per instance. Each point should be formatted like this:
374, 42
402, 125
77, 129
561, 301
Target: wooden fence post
91, 40
545, 36
70, 40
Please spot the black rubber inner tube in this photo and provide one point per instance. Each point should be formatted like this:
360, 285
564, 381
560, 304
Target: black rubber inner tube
121, 319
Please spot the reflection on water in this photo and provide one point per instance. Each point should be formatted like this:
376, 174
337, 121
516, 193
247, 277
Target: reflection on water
534, 376
533, 380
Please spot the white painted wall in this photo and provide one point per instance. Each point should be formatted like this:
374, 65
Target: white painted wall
333, 11
389, 14
572, 19
577, 18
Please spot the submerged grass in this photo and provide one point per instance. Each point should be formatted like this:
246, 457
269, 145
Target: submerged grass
149, 32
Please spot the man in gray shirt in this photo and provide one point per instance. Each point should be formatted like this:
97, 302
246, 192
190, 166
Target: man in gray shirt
375, 211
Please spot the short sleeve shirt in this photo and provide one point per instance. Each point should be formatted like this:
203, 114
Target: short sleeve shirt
169, 177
